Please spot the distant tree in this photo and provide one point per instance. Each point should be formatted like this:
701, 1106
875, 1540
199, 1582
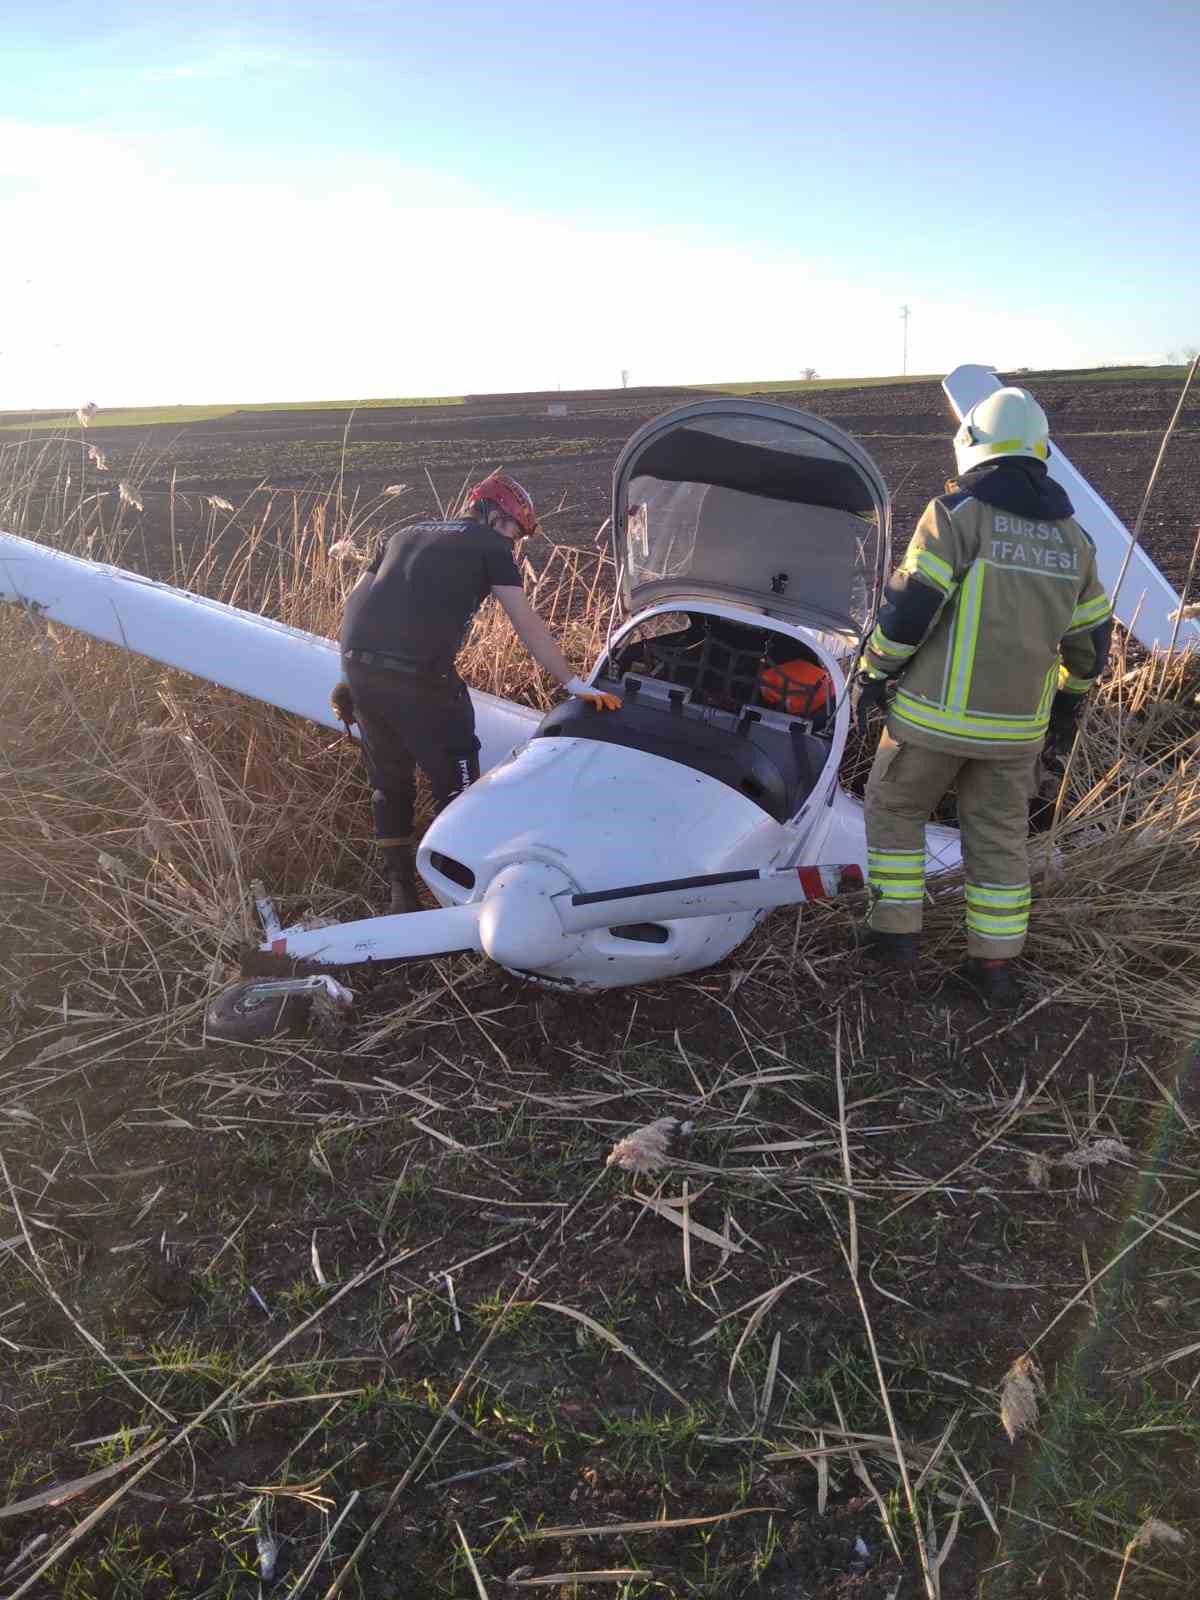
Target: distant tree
809, 374
624, 377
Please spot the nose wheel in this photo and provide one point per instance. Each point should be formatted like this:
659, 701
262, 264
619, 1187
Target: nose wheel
259, 1008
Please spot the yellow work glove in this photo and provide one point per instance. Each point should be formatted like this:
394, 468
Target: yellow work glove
598, 699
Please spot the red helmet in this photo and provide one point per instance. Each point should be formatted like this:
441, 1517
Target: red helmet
508, 494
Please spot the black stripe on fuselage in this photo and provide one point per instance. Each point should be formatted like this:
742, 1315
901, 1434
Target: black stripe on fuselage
712, 881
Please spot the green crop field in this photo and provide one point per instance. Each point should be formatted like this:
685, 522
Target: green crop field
150, 416
1163, 374
815, 385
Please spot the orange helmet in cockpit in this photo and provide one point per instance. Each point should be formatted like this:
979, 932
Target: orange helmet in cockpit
800, 688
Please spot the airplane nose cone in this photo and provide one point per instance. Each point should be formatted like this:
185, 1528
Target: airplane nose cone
518, 925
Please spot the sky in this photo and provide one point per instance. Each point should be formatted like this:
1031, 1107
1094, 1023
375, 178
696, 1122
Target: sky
318, 200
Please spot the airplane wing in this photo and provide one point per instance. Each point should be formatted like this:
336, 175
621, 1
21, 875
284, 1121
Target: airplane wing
1145, 599
257, 656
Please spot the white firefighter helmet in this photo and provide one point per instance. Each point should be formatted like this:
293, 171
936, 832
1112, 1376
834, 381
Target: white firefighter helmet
1008, 422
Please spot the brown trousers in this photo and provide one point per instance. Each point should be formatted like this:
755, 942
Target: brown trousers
905, 785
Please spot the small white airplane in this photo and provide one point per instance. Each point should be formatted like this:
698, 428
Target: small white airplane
603, 850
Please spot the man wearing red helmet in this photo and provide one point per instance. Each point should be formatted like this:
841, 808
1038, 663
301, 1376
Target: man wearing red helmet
403, 627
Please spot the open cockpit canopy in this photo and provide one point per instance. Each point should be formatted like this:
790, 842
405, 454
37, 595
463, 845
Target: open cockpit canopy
755, 504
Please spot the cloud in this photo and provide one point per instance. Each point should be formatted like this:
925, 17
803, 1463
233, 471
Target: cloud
55, 156
159, 287
229, 61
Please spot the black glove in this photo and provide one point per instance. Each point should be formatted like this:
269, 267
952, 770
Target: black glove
1052, 762
867, 693
1048, 780
1064, 718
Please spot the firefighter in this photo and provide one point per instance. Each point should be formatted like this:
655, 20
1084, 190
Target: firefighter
403, 627
992, 632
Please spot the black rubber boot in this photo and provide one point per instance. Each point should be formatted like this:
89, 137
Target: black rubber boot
993, 981
399, 865
899, 950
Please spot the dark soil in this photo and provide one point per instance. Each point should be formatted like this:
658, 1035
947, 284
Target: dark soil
181, 1199
191, 1204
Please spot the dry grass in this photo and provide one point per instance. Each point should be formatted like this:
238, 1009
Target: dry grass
1116, 911
142, 801
1117, 918
137, 806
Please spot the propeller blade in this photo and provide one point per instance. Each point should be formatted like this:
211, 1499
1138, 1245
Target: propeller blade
717, 894
399, 938
528, 926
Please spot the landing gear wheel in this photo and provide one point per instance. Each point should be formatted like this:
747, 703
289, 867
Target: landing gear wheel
248, 1012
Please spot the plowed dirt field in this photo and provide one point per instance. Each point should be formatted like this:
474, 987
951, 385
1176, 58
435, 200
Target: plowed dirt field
1109, 427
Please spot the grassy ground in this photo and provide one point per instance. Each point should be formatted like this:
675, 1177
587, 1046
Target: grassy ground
148, 416
815, 385
370, 1312
1166, 373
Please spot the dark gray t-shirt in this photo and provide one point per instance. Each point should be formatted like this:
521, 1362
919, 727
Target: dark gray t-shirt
422, 589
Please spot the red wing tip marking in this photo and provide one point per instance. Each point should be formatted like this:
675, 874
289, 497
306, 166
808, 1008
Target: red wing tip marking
820, 883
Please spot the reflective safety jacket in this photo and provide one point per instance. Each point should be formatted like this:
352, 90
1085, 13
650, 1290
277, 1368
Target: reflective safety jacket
995, 611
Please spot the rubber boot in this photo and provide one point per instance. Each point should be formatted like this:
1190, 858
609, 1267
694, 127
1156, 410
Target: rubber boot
400, 868
993, 982
900, 951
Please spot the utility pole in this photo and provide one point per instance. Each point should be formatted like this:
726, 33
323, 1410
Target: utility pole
905, 313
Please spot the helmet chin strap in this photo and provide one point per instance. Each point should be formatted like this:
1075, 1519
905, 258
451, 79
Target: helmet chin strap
513, 539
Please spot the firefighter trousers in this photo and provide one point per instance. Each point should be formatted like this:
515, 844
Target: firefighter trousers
407, 722
905, 785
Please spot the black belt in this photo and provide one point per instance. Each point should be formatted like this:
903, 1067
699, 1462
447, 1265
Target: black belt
411, 669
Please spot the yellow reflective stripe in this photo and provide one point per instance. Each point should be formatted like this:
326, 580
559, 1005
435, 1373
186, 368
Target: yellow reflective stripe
1018, 934
1005, 447
1069, 684
992, 730
966, 636
1090, 613
999, 913
938, 572
994, 895
897, 874
997, 927
880, 642
1043, 709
